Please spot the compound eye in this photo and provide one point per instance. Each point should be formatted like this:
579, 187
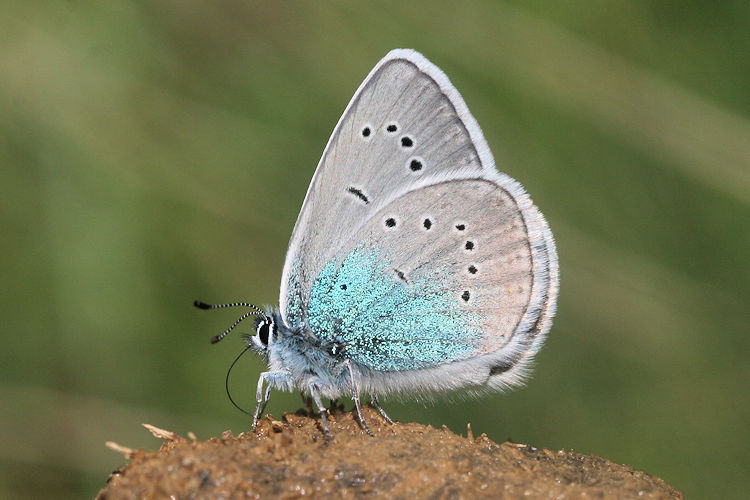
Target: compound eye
263, 330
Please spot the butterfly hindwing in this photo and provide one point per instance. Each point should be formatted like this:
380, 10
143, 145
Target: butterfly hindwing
441, 274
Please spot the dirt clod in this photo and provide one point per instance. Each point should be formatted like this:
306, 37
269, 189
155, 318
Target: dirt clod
290, 458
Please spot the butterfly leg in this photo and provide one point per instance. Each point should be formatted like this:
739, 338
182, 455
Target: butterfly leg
355, 397
266, 397
380, 409
261, 399
321, 410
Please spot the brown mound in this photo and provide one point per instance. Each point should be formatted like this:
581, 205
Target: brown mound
291, 458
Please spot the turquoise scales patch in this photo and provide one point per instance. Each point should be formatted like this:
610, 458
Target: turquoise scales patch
386, 323
294, 314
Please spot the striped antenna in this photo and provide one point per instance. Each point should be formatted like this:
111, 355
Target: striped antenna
256, 311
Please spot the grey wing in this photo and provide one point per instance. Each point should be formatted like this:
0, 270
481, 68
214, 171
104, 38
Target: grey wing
406, 141
462, 294
405, 122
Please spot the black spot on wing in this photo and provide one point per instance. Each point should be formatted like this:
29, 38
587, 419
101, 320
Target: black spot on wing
359, 194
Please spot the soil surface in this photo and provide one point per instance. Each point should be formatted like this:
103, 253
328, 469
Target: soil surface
291, 458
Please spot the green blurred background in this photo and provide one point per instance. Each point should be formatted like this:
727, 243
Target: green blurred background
158, 152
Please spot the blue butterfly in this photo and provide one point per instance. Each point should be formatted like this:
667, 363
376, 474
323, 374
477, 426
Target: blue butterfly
414, 266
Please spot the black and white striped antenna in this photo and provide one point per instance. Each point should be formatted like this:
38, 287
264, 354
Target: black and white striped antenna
256, 311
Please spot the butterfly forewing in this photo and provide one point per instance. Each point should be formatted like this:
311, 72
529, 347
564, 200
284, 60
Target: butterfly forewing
399, 128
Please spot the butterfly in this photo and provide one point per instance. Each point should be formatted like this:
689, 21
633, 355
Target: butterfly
414, 266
